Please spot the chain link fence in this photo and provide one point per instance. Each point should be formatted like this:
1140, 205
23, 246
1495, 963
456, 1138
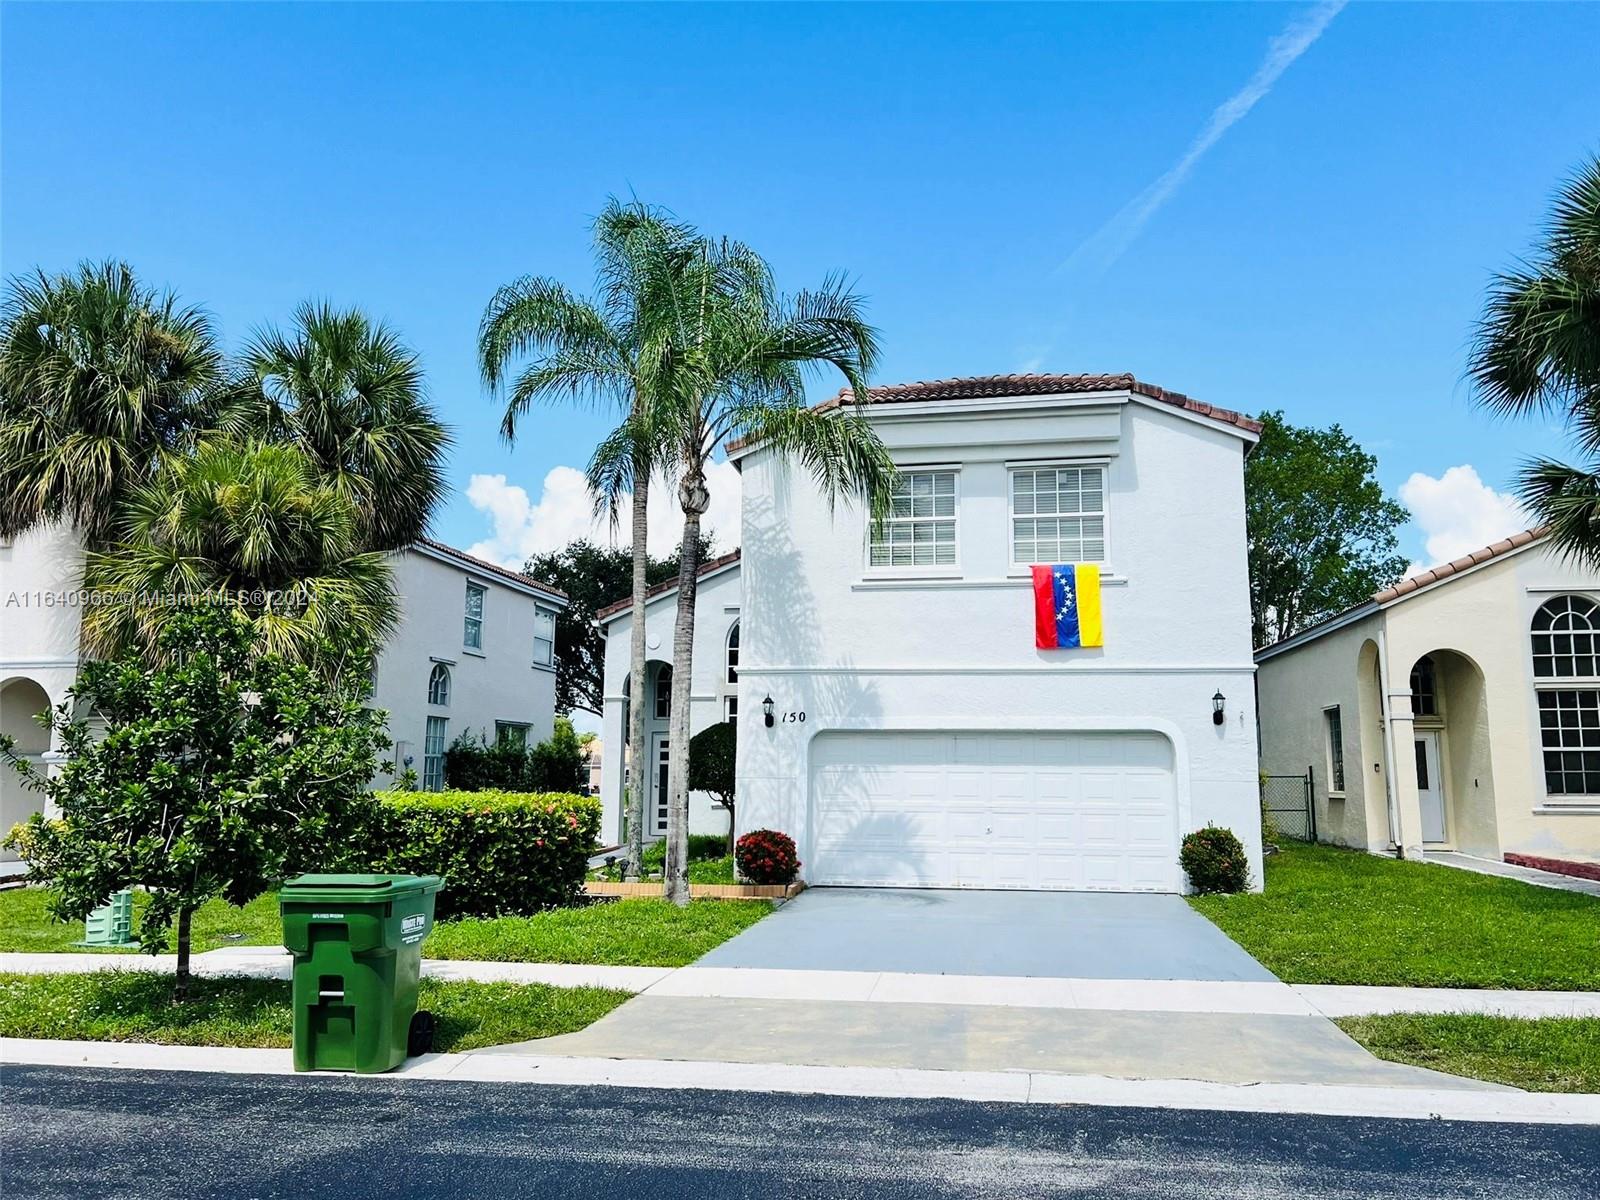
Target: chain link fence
1287, 808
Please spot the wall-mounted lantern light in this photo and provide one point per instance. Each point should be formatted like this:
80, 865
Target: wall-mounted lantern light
1218, 702
766, 711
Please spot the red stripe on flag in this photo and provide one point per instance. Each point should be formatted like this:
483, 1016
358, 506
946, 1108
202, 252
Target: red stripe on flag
1044, 609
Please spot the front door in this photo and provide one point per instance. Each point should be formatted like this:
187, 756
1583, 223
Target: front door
659, 783
1430, 787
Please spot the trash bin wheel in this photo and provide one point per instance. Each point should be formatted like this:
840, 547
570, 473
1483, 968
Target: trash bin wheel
419, 1038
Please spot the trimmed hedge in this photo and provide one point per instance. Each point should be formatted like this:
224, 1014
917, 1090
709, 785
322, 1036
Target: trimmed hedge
499, 852
767, 856
1215, 861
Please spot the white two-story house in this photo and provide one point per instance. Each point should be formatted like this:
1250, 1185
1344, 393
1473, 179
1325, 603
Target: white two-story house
474, 653
895, 715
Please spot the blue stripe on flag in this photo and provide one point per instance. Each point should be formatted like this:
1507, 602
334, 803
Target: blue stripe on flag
1064, 580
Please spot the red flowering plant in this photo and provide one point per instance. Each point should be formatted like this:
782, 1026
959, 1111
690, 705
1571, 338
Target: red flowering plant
1215, 861
766, 856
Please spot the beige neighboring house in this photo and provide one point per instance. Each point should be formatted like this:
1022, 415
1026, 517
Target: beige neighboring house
1480, 679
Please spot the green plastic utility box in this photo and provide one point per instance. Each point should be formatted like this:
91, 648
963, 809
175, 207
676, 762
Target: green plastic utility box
357, 946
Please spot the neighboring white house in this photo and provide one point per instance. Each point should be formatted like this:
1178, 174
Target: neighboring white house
473, 653
713, 693
918, 737
1481, 678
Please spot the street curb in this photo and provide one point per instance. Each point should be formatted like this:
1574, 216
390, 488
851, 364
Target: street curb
1015, 1087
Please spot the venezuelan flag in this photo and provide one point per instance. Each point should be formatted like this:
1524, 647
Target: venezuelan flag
1066, 606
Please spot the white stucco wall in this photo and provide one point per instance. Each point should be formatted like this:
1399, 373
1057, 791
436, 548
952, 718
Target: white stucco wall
499, 682
717, 607
1476, 626
857, 649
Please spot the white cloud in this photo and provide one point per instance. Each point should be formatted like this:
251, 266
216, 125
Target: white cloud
564, 511
1108, 243
1459, 513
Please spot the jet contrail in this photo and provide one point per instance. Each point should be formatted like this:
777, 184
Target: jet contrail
1107, 243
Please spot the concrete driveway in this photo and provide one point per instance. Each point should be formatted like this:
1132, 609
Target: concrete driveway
1078, 935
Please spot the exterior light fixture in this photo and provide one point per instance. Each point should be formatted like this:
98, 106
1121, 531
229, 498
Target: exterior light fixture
1217, 703
766, 711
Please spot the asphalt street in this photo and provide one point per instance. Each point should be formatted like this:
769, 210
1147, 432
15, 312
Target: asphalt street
84, 1133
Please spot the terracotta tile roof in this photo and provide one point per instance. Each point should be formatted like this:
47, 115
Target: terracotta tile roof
1434, 574
660, 589
480, 564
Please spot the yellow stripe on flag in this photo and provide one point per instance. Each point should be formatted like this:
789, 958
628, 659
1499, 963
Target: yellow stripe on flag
1088, 579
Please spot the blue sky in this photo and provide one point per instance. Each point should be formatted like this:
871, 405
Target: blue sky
1326, 253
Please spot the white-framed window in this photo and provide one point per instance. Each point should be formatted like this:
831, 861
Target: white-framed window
1566, 670
731, 661
730, 709
544, 638
439, 685
1058, 514
433, 747
511, 733
472, 625
920, 530
663, 699
1333, 722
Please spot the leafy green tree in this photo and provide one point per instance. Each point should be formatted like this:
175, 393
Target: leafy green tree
214, 775
740, 355
592, 576
345, 390
713, 754
257, 526
100, 377
1537, 352
1321, 531
611, 351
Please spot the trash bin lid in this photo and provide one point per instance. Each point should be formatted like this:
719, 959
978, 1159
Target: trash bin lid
356, 889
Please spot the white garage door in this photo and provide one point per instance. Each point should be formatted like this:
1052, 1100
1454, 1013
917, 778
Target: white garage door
1066, 811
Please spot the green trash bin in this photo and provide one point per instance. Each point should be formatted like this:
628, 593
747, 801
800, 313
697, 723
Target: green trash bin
357, 946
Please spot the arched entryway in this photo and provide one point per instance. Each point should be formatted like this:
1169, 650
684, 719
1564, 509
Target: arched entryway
1451, 753
22, 702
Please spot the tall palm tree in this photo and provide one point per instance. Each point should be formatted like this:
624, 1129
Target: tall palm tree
349, 393
253, 525
739, 357
610, 351
1537, 351
99, 376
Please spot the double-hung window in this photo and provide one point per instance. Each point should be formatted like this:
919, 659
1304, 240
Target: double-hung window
920, 530
1058, 514
472, 631
1566, 671
433, 745
1334, 723
544, 638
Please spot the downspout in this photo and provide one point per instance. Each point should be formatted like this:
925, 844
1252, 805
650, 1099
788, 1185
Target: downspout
1388, 740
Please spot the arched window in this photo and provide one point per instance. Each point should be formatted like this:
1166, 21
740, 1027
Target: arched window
1424, 690
1564, 638
733, 654
664, 693
439, 685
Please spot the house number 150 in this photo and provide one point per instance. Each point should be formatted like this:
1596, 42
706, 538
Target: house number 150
792, 717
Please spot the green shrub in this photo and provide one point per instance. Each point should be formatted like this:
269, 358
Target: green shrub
499, 852
1215, 860
555, 765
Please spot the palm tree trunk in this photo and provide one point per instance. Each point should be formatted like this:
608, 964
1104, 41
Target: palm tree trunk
692, 492
637, 781
180, 985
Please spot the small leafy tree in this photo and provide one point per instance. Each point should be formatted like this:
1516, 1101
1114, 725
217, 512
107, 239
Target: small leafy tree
1321, 531
712, 754
216, 774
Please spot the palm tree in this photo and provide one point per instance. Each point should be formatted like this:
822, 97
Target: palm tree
347, 392
254, 525
740, 354
99, 376
1537, 351
608, 351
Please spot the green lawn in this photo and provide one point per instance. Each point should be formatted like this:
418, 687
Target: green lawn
1560, 1054
632, 933
26, 925
628, 933
136, 1006
1341, 916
